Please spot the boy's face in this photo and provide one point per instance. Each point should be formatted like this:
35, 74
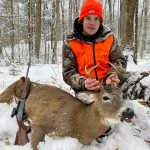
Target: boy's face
91, 24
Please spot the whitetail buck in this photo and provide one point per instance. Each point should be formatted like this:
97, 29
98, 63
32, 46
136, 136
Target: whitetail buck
57, 113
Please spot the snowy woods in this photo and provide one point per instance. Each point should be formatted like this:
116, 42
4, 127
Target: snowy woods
33, 29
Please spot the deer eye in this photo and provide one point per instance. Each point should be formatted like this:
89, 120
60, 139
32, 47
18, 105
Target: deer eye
105, 98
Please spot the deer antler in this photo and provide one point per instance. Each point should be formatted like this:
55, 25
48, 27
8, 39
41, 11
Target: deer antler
88, 72
119, 69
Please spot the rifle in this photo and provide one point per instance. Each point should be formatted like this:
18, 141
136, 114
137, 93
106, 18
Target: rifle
21, 136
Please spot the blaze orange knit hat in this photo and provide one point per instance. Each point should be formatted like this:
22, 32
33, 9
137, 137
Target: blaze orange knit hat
91, 7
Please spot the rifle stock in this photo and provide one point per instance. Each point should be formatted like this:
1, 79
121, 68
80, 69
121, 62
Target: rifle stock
22, 134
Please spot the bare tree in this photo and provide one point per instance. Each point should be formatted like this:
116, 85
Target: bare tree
55, 30
53, 25
32, 25
110, 13
113, 10
1, 52
127, 11
38, 28
136, 34
46, 55
119, 19
144, 39
70, 15
76, 5
12, 36
29, 30
140, 26
63, 19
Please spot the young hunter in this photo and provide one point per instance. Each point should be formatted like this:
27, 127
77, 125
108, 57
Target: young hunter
91, 44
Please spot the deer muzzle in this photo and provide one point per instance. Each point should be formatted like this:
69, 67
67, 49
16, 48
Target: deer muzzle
127, 115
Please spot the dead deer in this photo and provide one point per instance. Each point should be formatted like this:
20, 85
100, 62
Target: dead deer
57, 113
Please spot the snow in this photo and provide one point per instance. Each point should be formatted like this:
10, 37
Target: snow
124, 136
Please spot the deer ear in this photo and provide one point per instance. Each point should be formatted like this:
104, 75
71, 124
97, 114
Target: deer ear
22, 79
18, 87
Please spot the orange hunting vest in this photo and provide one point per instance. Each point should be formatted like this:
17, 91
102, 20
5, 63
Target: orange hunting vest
89, 55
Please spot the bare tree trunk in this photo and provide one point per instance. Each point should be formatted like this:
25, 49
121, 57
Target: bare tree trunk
127, 10
1, 52
113, 17
29, 31
140, 27
144, 39
110, 13
57, 18
48, 49
18, 36
136, 34
12, 36
53, 23
119, 20
45, 33
70, 15
38, 28
63, 20
77, 4
104, 9
32, 26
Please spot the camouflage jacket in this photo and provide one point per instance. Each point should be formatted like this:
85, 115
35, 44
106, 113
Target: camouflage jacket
69, 63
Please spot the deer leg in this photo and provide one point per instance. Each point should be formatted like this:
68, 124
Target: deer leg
37, 136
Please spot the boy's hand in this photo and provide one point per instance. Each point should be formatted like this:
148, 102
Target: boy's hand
112, 80
92, 84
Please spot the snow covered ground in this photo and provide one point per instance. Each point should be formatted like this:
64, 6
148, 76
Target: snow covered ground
125, 136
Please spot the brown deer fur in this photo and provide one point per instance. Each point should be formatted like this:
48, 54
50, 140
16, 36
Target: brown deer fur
57, 113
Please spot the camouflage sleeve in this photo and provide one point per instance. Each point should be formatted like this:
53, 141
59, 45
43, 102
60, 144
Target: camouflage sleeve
117, 59
70, 71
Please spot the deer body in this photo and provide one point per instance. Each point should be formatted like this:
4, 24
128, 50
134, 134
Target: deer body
57, 113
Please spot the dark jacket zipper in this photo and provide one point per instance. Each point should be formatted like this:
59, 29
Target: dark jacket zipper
94, 57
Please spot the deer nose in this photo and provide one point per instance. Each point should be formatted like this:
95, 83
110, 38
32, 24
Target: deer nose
128, 115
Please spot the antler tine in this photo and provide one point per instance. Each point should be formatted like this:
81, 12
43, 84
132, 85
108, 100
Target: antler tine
118, 69
113, 66
88, 72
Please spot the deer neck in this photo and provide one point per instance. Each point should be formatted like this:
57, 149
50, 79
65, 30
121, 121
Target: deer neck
86, 114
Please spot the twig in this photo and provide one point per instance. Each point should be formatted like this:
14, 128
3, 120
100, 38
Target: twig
53, 70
